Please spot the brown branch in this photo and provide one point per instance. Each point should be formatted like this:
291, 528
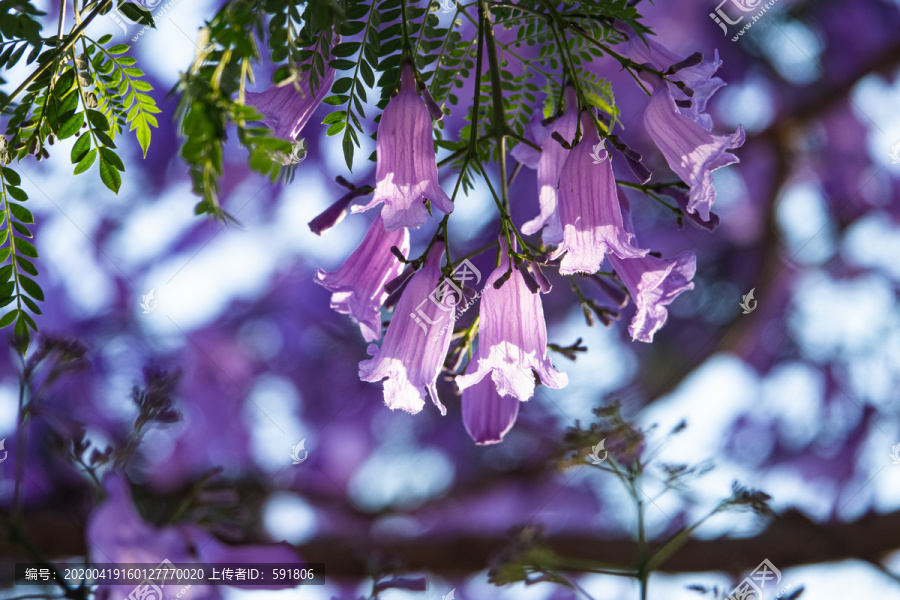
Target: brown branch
790, 540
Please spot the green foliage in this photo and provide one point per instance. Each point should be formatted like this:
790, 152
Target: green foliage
17, 287
227, 49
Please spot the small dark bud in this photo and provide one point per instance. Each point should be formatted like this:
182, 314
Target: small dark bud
562, 142
396, 252
332, 215
691, 61
684, 103
503, 279
400, 281
530, 281
436, 113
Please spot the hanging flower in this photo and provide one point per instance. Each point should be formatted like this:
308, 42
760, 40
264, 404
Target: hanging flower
549, 163
358, 286
589, 207
287, 108
487, 415
512, 337
417, 339
679, 127
653, 284
406, 172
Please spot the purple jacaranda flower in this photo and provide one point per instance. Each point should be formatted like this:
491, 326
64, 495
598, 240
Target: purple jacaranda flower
589, 207
288, 107
117, 534
512, 337
681, 129
358, 286
549, 163
692, 152
653, 284
699, 78
416, 341
487, 415
406, 171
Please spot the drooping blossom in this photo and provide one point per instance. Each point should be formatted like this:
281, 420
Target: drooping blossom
681, 129
549, 163
512, 337
589, 207
358, 286
416, 341
406, 171
287, 108
653, 284
487, 415
116, 534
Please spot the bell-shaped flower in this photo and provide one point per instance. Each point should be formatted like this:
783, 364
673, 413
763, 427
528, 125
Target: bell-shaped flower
678, 124
406, 172
487, 415
512, 337
358, 286
692, 152
287, 108
417, 339
653, 284
589, 207
549, 163
698, 77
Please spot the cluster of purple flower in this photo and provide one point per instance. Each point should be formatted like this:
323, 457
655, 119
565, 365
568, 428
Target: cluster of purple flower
581, 214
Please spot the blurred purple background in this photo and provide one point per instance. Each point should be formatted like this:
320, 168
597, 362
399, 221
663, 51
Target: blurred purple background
799, 398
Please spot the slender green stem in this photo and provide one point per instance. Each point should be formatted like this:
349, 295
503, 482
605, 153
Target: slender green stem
60, 51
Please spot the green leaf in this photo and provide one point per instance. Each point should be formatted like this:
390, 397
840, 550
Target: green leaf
109, 174
8, 318
142, 132
21, 213
31, 288
11, 176
342, 85
346, 49
137, 13
81, 148
26, 265
71, 126
5, 273
85, 163
25, 247
21, 333
17, 193
348, 150
31, 304
98, 120
112, 158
